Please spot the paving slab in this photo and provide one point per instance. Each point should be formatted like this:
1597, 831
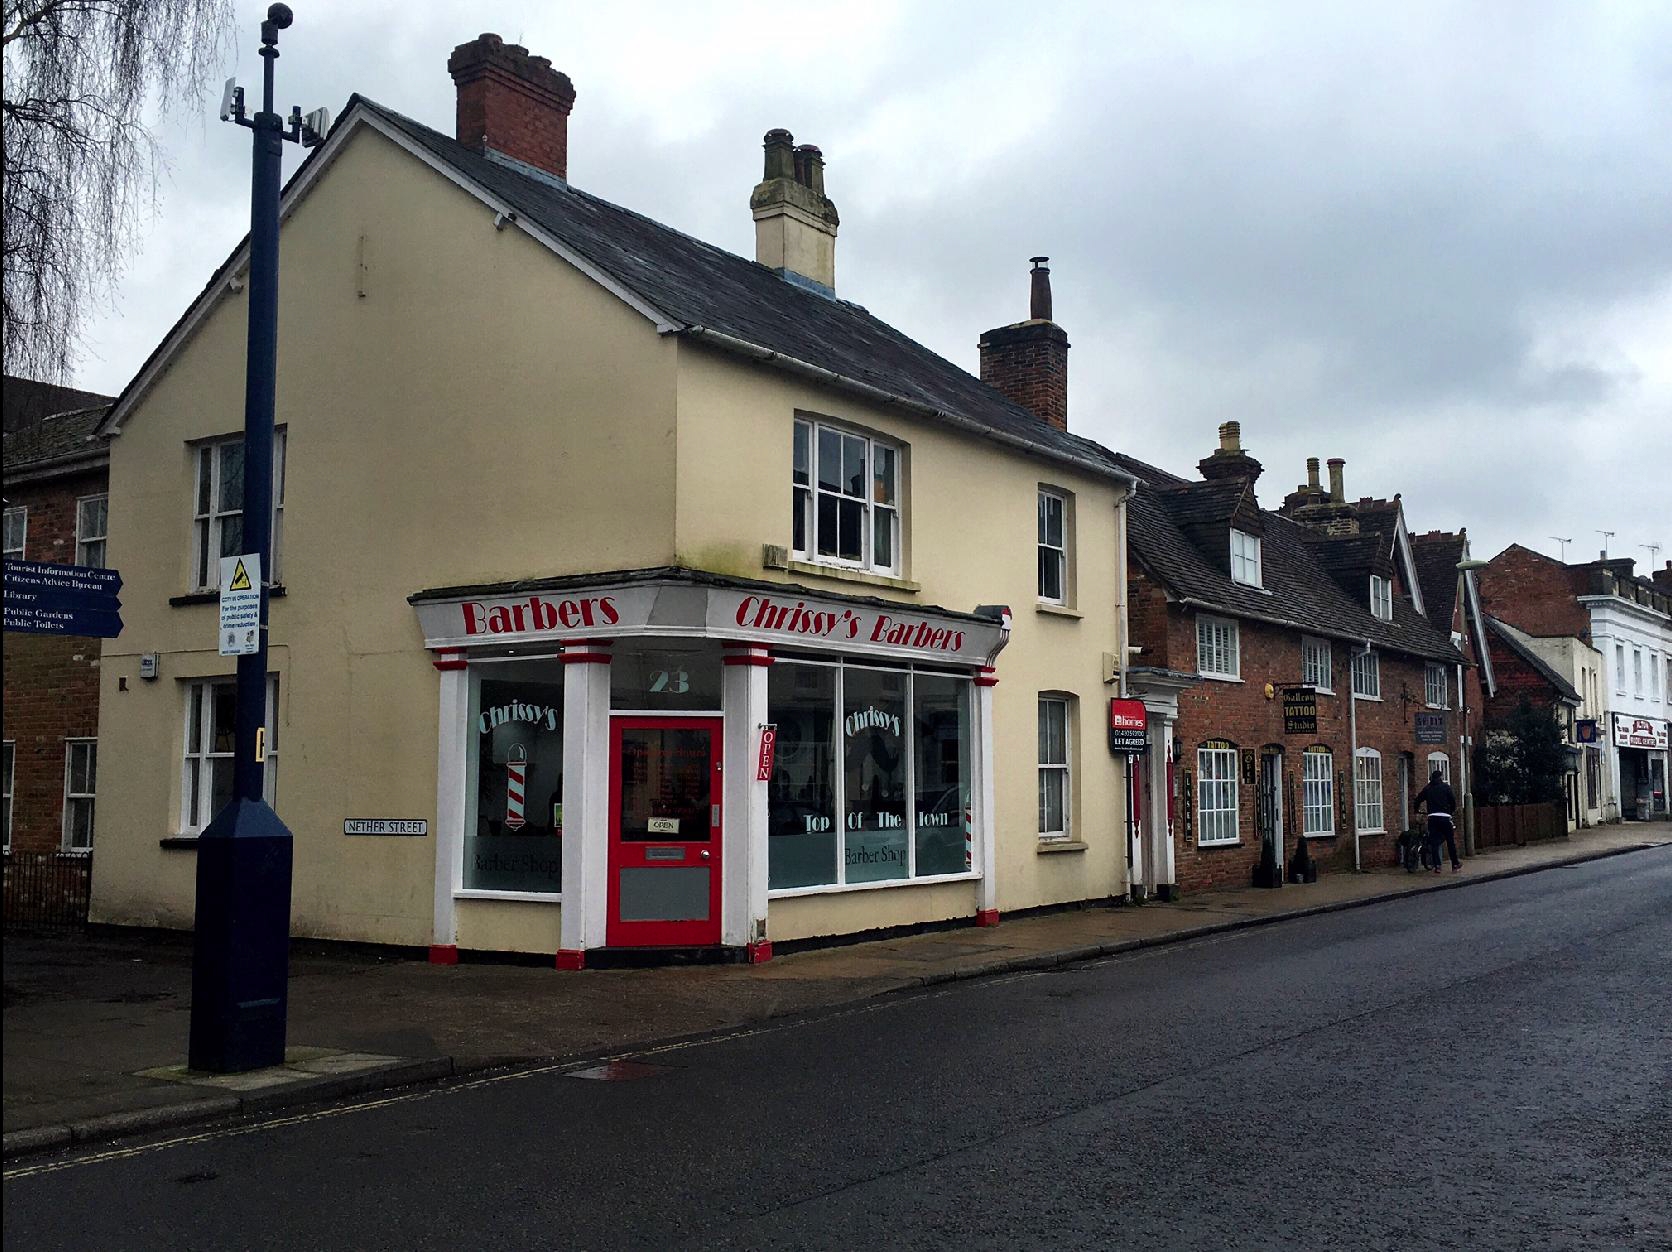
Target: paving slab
96, 1024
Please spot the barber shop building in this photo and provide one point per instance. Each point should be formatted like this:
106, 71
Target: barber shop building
628, 593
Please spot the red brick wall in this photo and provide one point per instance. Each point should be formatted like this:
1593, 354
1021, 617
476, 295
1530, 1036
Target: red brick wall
1515, 679
1245, 715
1148, 623
512, 102
1534, 593
51, 682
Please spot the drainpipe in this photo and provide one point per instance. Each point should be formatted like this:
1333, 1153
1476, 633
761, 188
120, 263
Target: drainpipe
1352, 733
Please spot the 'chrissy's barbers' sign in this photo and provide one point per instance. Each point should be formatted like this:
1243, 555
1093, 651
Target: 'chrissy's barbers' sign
784, 618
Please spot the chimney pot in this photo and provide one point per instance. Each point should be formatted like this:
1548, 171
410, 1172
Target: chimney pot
809, 168
512, 103
1039, 294
1230, 436
780, 154
1337, 489
1312, 472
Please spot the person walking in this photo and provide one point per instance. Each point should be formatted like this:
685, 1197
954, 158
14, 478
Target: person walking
1441, 802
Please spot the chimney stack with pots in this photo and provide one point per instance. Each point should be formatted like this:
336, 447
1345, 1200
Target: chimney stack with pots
1028, 361
795, 222
1337, 489
1323, 510
1229, 461
512, 104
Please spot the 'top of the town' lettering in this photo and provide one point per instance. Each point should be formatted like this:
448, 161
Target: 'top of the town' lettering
764, 613
538, 613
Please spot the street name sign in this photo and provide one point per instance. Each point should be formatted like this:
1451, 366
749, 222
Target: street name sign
47, 599
386, 826
240, 629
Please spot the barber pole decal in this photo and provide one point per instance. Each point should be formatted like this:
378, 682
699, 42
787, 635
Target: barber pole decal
969, 841
516, 784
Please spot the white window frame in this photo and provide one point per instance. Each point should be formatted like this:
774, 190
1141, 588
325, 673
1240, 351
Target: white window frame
9, 765
1064, 768
1053, 554
73, 798
1620, 668
806, 495
1210, 783
1437, 693
1369, 813
197, 756
1245, 559
1317, 793
1367, 675
208, 517
1440, 761
1223, 641
1381, 597
1316, 664
82, 538
18, 513
1637, 672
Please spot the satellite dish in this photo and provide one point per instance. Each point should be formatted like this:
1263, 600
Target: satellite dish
229, 99
315, 126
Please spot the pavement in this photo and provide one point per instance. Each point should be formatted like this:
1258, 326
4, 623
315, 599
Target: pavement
96, 1024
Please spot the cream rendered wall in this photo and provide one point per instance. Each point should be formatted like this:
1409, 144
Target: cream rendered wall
970, 524
482, 412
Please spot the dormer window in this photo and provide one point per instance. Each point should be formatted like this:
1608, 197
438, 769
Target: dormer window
1381, 597
1245, 559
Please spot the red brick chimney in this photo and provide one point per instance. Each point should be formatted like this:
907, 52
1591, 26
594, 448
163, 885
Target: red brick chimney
512, 103
1028, 361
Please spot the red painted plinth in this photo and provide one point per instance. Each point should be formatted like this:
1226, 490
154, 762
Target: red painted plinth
571, 959
986, 917
760, 953
444, 954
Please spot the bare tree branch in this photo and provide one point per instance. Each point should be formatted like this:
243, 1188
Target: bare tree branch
80, 169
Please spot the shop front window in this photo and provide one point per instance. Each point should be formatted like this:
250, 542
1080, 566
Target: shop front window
880, 757
514, 841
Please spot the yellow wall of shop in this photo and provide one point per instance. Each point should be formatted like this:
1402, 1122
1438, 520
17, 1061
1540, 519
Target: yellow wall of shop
969, 529
483, 412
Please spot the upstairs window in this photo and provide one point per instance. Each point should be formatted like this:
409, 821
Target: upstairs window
1367, 675
218, 509
1315, 664
847, 509
1637, 672
1381, 597
17, 531
92, 513
1053, 547
1436, 687
1619, 662
1217, 654
1245, 559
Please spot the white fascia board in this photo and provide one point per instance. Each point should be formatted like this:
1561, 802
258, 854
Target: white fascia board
1402, 540
299, 186
1471, 595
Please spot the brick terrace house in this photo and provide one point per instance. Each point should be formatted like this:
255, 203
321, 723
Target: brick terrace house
1524, 674
55, 510
1230, 604
1603, 605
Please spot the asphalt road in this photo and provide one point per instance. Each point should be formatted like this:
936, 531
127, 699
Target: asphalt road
1484, 1068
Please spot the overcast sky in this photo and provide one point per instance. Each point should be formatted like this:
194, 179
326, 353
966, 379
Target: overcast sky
1434, 239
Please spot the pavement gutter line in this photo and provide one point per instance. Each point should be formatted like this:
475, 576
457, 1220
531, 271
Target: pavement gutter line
48, 1138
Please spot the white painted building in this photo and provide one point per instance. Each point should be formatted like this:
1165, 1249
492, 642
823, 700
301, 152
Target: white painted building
1631, 626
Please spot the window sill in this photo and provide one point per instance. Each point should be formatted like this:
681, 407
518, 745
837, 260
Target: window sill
1259, 587
843, 574
1323, 691
1211, 847
1372, 699
1057, 610
1218, 678
275, 592
178, 843
1438, 708
1321, 834
786, 893
1380, 830
527, 897
1061, 845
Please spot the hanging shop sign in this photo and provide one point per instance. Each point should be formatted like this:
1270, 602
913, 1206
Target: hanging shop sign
1585, 730
1128, 727
769, 749
1431, 727
1300, 710
1640, 732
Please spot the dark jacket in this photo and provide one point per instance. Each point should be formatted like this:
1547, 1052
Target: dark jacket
1438, 797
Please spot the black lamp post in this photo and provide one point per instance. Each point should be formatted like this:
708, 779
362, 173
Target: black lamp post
241, 955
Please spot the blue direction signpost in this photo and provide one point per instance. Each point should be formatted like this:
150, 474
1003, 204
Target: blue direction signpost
46, 599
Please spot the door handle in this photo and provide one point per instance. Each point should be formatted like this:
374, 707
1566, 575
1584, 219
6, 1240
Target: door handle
705, 854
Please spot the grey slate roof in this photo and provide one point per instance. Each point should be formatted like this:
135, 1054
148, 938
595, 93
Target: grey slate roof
1300, 592
1436, 555
1516, 643
61, 438
25, 401
697, 285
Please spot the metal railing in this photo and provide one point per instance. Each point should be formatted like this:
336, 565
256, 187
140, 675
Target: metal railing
47, 889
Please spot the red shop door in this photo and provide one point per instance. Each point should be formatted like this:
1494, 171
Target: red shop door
664, 832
